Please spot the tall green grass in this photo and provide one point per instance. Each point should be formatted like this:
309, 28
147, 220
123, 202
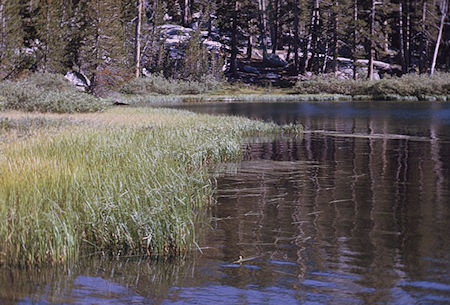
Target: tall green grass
127, 182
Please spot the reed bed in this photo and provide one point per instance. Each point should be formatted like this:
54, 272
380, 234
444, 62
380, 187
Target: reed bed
124, 182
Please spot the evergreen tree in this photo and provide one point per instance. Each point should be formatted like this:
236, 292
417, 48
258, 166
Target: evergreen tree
102, 39
128, 20
154, 54
52, 24
102, 53
195, 62
11, 38
228, 23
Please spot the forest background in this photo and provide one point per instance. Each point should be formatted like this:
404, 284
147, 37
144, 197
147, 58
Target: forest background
111, 42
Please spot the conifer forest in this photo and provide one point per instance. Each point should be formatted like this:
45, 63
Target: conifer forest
113, 41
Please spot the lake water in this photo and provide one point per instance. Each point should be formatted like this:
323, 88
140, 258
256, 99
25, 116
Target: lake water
355, 211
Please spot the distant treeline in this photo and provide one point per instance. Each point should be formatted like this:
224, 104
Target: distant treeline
111, 41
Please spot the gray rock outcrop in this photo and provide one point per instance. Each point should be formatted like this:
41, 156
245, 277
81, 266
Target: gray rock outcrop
79, 80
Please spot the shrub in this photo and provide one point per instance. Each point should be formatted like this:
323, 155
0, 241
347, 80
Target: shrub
407, 85
48, 81
46, 93
412, 85
329, 84
18, 96
70, 102
158, 84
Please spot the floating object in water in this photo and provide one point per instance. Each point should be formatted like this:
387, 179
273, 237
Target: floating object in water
242, 259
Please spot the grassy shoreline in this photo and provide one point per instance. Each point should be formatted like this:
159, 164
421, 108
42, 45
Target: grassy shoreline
155, 90
51, 93
173, 100
123, 182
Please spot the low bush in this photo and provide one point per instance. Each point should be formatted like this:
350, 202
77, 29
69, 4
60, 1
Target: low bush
16, 96
48, 81
412, 85
158, 84
330, 85
408, 85
46, 93
70, 102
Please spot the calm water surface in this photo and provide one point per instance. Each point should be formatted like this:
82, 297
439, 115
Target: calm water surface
356, 211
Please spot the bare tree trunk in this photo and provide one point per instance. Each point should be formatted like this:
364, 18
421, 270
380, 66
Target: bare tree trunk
263, 26
423, 40
137, 38
47, 36
401, 36
234, 49
312, 38
280, 42
2, 28
325, 57
295, 42
288, 53
355, 38
315, 34
275, 23
295, 38
335, 35
372, 43
386, 36
249, 47
186, 12
444, 11
408, 35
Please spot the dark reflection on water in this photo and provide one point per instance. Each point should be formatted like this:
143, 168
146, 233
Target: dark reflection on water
362, 221
320, 219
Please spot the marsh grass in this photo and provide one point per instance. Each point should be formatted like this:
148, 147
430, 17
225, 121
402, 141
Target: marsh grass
17, 125
142, 101
124, 182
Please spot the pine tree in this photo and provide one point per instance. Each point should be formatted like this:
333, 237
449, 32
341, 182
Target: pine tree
341, 29
228, 22
195, 62
11, 37
153, 52
128, 20
103, 53
52, 24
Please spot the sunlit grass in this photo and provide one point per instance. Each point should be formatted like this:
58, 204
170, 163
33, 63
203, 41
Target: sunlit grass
124, 182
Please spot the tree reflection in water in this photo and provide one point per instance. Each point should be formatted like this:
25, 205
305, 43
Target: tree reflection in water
354, 211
